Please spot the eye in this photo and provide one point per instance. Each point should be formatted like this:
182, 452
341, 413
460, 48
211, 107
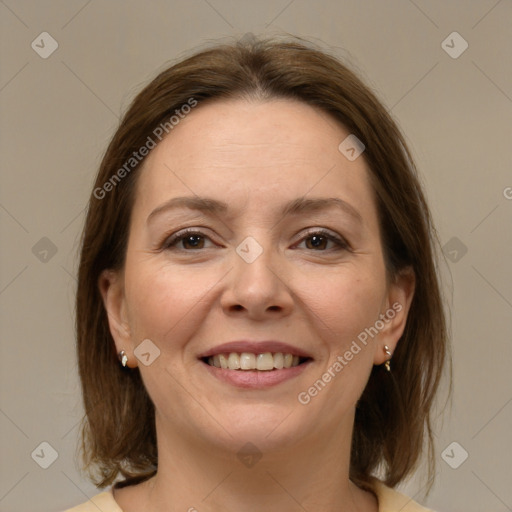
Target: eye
319, 239
190, 239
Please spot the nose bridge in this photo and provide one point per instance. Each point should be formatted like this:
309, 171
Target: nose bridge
256, 284
254, 261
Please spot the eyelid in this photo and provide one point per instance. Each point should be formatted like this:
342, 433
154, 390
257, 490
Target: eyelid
339, 240
172, 239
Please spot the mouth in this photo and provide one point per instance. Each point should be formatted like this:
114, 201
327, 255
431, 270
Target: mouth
261, 362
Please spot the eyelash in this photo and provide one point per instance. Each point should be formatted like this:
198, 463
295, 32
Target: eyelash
169, 242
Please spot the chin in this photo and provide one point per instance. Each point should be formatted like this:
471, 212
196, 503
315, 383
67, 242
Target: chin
268, 427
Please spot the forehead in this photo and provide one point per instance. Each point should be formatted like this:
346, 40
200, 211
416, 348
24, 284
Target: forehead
264, 150
284, 129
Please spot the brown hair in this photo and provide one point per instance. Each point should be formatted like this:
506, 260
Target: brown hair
393, 415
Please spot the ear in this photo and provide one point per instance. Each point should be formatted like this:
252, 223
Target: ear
111, 286
395, 311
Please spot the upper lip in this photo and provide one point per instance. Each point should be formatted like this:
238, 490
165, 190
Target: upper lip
254, 347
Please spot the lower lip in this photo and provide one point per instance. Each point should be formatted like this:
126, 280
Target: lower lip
256, 379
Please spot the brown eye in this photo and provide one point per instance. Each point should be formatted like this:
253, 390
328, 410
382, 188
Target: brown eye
319, 241
185, 241
193, 242
316, 242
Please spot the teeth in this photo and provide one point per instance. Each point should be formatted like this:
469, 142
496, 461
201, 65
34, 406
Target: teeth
223, 361
265, 361
278, 361
233, 361
248, 361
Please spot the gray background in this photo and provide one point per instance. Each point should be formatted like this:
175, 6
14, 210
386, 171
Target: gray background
60, 111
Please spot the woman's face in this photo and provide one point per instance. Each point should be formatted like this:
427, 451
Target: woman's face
285, 247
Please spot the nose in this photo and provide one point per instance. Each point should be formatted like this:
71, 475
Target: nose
258, 289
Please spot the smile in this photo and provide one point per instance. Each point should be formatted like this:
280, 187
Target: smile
267, 361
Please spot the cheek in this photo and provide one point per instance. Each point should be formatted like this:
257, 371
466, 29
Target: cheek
346, 304
343, 303
161, 298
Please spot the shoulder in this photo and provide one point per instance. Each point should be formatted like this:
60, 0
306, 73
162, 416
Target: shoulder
103, 501
394, 501
389, 501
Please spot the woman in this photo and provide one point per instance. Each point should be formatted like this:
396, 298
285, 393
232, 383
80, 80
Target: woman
259, 319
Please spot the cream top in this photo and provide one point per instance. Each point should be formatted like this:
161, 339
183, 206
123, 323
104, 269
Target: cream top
389, 501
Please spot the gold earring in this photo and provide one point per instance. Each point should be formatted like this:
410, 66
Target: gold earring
387, 364
123, 358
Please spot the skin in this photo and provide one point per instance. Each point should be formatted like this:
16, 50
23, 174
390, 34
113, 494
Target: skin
256, 156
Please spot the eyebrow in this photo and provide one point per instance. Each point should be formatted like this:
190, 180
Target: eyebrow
294, 207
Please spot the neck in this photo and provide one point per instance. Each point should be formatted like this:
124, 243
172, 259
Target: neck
312, 474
